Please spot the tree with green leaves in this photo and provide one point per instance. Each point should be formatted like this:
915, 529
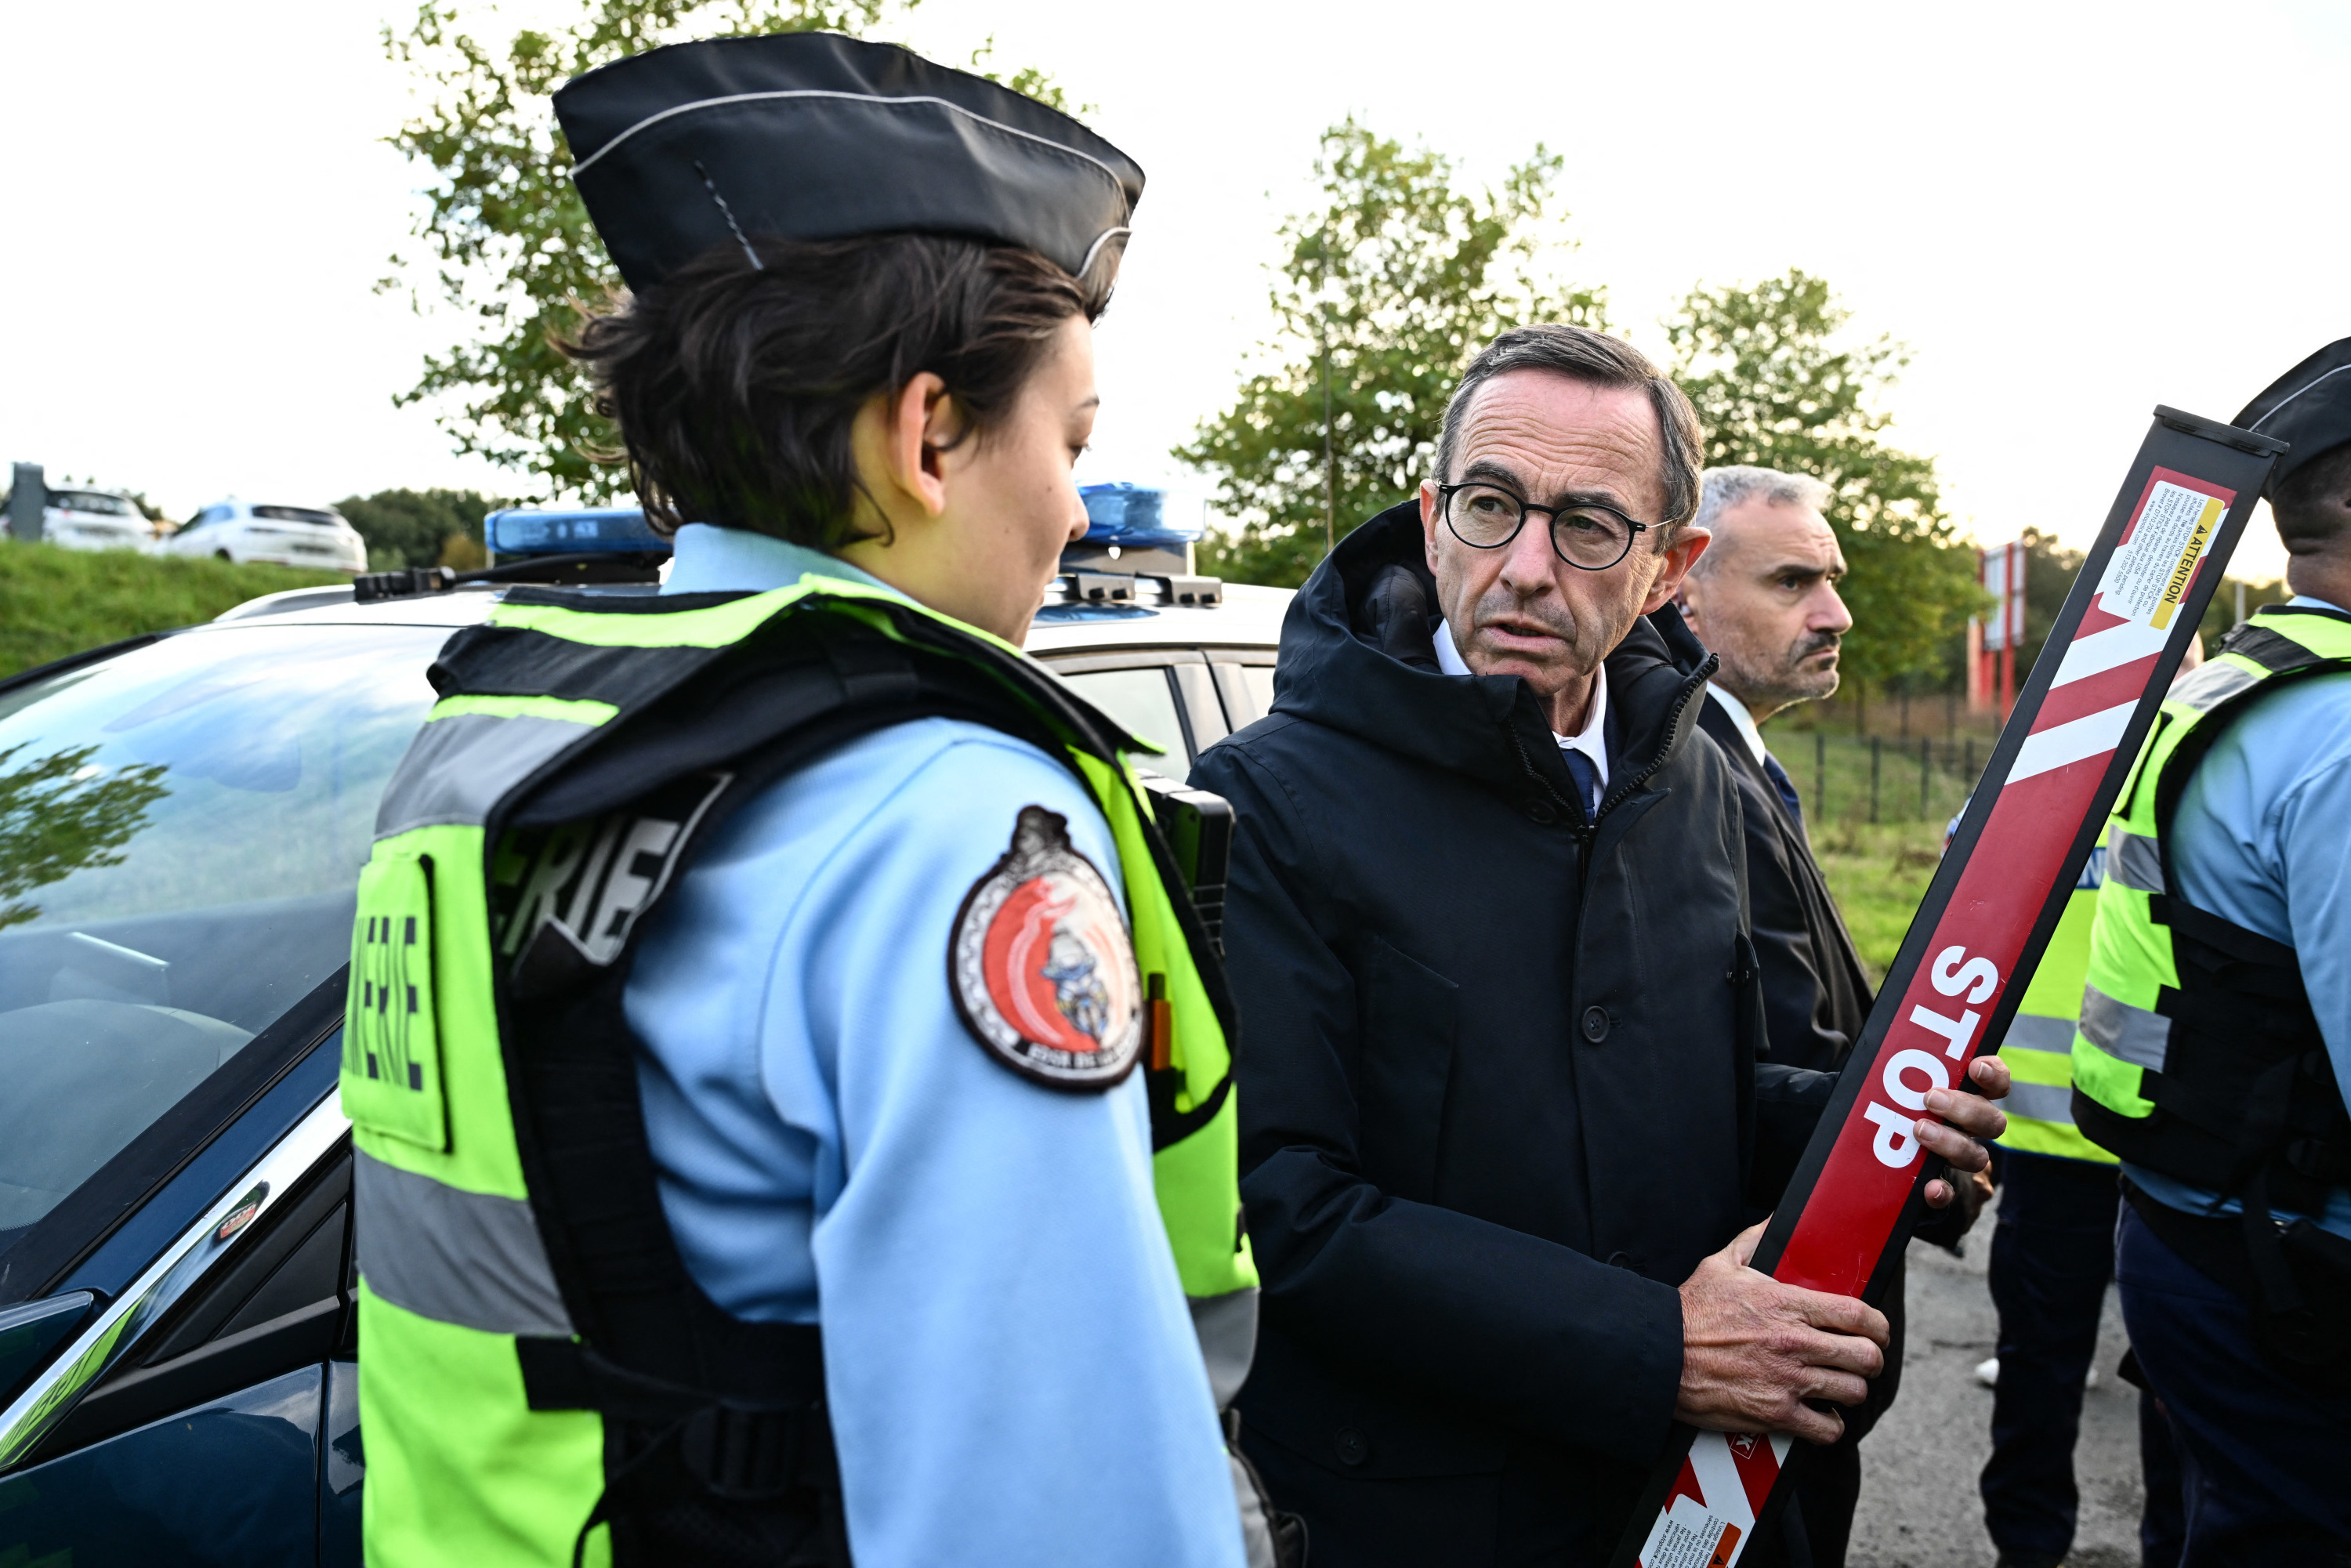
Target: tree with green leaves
64, 813
419, 528
511, 246
1383, 297
1776, 385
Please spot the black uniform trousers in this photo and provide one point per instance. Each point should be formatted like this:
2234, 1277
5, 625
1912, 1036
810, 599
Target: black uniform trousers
2052, 1257
2265, 1459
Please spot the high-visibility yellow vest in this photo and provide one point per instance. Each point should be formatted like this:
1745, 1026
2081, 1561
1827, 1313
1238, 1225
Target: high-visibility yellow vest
2190, 1025
2039, 1045
536, 1355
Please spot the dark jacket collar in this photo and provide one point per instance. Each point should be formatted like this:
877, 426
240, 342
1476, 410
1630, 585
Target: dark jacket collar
1357, 656
1725, 732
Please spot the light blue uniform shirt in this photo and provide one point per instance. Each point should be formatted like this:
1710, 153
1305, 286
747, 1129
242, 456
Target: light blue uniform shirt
2263, 837
1009, 1364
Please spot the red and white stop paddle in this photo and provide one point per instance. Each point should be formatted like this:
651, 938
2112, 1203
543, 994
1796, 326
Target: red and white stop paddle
2003, 884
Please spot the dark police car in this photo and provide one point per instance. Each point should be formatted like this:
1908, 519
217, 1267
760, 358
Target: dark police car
183, 820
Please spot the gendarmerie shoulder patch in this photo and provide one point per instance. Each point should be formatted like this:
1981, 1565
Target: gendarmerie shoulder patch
1040, 964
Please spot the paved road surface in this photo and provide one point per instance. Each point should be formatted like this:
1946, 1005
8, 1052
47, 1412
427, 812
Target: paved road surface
1919, 1508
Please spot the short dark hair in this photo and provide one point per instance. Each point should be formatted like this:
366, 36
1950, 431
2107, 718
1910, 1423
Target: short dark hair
2313, 507
1595, 358
736, 385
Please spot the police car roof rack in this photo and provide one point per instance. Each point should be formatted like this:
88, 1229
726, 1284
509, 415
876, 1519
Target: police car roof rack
530, 544
1137, 550
559, 569
1137, 535
1085, 585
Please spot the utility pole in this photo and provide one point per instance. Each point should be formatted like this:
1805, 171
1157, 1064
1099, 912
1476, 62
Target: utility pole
28, 494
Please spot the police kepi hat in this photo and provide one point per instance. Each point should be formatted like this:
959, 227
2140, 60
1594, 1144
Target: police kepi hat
813, 136
2309, 408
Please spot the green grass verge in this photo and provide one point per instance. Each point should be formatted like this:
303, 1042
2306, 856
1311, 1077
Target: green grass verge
1879, 870
1877, 875
57, 602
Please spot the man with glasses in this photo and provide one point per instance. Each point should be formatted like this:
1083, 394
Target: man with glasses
1504, 1125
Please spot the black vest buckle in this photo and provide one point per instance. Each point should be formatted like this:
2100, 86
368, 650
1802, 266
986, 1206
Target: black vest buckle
750, 1456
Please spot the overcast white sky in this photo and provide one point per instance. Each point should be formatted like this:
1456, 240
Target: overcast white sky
2071, 213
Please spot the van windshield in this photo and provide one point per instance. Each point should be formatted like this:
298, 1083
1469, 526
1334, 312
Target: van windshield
182, 829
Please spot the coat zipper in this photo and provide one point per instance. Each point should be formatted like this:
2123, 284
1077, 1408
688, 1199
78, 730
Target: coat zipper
1576, 824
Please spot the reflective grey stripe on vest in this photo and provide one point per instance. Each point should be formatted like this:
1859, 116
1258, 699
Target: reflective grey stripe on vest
459, 767
2042, 1101
456, 1256
1226, 1328
2121, 1030
2033, 1032
2208, 685
2134, 860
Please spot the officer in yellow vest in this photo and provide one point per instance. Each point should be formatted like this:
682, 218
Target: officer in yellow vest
2214, 1043
2052, 1258
791, 1084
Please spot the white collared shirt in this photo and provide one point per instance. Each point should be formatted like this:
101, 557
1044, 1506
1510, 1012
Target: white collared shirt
1744, 720
1588, 740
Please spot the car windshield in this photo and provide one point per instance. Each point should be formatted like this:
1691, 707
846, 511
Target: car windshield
297, 515
91, 501
182, 829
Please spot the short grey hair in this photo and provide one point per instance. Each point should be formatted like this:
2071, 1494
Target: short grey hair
1739, 483
1597, 359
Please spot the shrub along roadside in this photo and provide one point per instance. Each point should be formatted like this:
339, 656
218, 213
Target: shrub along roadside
57, 602
420, 527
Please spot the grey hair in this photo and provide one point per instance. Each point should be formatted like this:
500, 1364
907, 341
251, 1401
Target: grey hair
1736, 485
1597, 359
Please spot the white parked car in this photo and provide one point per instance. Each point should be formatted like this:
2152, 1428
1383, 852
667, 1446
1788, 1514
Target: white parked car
93, 519
289, 536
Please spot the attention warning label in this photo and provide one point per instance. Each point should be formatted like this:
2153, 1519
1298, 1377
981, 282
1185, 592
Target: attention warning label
1688, 1536
2154, 565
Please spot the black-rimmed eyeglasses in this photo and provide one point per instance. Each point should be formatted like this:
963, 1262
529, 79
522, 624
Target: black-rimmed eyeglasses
1587, 534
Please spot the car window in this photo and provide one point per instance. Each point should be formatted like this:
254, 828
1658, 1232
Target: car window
1259, 679
297, 515
92, 501
1143, 701
182, 827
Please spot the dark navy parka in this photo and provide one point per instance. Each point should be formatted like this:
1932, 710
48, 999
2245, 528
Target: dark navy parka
1500, 1073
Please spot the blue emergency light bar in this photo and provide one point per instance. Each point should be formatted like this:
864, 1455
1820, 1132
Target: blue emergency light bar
604, 531
1143, 517
1135, 517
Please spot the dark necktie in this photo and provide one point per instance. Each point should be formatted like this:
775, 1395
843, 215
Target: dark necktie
1587, 780
1783, 783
